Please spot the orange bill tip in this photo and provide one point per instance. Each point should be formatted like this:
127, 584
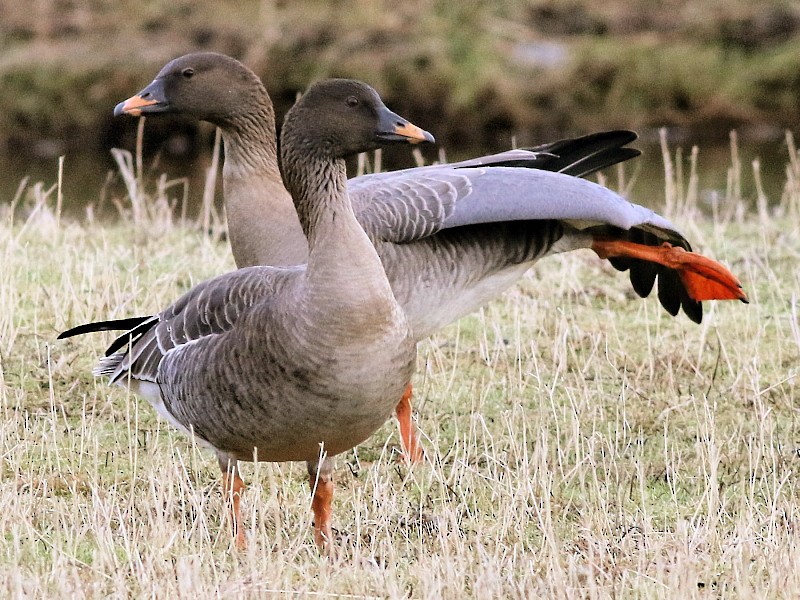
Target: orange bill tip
413, 134
133, 106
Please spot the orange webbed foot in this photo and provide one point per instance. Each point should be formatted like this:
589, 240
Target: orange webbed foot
412, 449
321, 481
232, 490
704, 278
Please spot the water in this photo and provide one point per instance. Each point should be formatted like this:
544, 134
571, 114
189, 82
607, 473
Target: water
91, 178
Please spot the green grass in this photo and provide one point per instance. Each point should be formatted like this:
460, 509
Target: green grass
582, 443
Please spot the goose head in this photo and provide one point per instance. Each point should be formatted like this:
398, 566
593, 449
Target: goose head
205, 85
337, 118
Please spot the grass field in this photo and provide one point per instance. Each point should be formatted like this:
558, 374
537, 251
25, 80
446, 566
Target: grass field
582, 443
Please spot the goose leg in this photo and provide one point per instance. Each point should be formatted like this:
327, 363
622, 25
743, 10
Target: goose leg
704, 279
320, 478
412, 450
232, 489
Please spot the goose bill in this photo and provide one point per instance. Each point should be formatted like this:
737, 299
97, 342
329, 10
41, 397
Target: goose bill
149, 100
395, 128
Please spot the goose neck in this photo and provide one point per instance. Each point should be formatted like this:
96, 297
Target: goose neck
250, 143
319, 190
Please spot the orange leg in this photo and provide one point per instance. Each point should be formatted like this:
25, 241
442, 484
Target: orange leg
321, 481
232, 489
705, 279
412, 450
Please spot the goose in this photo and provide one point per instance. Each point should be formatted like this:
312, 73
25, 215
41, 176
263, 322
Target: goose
291, 363
451, 237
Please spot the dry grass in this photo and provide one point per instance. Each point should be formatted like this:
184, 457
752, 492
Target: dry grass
584, 444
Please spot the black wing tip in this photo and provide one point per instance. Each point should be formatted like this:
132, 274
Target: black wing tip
672, 294
693, 309
579, 156
79, 330
130, 336
113, 325
626, 153
582, 156
620, 136
625, 134
608, 139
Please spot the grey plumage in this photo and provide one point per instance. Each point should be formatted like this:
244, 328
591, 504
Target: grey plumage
450, 238
458, 231
280, 361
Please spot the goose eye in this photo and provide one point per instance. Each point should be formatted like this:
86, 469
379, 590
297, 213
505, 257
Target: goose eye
187, 73
352, 101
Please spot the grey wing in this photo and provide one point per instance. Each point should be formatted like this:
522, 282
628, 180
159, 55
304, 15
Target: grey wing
402, 206
412, 205
408, 205
400, 209
512, 194
211, 308
506, 194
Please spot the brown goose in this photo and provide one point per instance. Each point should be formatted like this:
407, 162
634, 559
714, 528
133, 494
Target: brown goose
451, 237
288, 363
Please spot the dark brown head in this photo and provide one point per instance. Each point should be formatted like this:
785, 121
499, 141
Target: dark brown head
336, 118
204, 85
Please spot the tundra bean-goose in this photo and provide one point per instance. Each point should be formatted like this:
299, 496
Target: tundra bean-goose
451, 237
292, 363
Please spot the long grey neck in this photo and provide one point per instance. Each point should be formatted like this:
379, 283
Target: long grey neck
262, 223
250, 143
342, 260
318, 188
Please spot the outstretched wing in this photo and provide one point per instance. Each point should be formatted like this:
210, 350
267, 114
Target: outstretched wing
404, 206
412, 205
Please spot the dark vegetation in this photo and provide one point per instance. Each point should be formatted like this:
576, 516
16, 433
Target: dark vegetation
478, 73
